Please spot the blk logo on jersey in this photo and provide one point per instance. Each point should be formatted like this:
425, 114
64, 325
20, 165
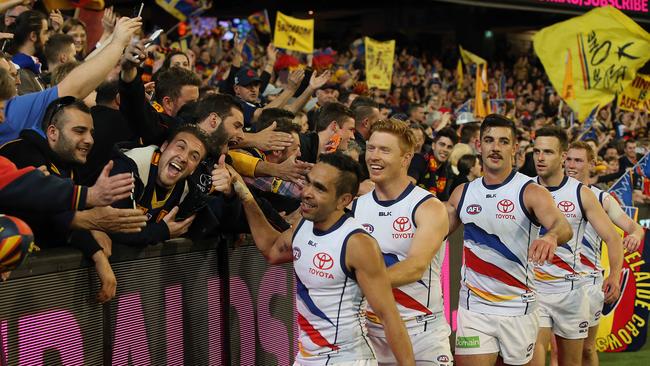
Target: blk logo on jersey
402, 225
567, 208
505, 207
323, 262
385, 213
473, 209
369, 228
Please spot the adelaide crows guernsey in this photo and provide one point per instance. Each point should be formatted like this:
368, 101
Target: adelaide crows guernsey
496, 277
392, 223
592, 246
564, 272
328, 298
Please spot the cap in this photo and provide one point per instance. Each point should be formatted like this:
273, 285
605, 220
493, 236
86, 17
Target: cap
465, 117
246, 76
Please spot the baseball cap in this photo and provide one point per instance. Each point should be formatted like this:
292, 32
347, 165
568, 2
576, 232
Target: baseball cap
246, 76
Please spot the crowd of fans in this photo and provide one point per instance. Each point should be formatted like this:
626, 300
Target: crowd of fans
133, 142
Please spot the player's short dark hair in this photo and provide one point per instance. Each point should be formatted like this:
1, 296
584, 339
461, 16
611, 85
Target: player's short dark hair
498, 120
333, 111
554, 131
362, 112
348, 179
170, 82
447, 132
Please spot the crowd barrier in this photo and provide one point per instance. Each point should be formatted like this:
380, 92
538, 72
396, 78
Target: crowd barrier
178, 303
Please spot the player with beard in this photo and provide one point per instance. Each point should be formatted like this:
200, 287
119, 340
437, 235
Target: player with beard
410, 225
498, 315
580, 160
336, 263
564, 305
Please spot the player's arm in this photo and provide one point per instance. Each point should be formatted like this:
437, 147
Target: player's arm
605, 229
364, 258
634, 231
432, 228
540, 203
275, 246
452, 208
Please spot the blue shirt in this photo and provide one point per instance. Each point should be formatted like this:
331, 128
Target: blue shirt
27, 62
26, 112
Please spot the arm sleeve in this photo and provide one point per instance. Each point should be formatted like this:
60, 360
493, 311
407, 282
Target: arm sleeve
265, 78
230, 82
244, 164
26, 112
30, 189
85, 242
140, 115
613, 209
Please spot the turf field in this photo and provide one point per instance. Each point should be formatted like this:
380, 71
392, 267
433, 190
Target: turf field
640, 358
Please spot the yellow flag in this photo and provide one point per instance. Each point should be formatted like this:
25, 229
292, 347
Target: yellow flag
479, 88
294, 34
470, 58
636, 95
459, 75
379, 63
568, 89
607, 49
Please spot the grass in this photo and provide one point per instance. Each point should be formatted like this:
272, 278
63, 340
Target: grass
640, 358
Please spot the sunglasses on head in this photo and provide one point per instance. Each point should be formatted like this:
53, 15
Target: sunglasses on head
56, 106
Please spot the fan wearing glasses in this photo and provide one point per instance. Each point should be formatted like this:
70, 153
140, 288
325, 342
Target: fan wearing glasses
68, 139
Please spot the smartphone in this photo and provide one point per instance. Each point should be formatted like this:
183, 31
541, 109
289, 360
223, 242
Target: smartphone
153, 37
137, 11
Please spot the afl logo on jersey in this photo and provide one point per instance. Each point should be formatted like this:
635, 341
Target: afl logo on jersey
323, 261
402, 224
369, 228
296, 253
566, 206
473, 209
505, 206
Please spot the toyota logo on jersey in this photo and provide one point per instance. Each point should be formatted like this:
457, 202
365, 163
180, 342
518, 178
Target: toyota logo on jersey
402, 224
566, 206
505, 206
323, 261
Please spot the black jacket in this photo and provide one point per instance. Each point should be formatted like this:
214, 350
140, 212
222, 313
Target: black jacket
31, 149
150, 125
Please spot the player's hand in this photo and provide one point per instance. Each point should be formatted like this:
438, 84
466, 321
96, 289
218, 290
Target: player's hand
542, 250
109, 189
631, 243
177, 228
612, 287
221, 177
